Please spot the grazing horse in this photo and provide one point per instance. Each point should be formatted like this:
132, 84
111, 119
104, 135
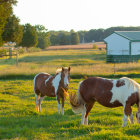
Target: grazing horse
52, 86
109, 93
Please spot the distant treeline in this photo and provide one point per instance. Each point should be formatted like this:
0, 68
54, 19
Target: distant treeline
64, 37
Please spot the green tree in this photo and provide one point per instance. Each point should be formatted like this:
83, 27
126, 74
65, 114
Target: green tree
63, 38
13, 31
5, 11
74, 37
43, 37
53, 38
30, 38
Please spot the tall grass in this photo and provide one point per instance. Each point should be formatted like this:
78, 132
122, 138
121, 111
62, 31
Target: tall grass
82, 62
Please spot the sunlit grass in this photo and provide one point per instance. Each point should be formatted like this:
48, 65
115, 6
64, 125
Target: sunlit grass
82, 62
19, 119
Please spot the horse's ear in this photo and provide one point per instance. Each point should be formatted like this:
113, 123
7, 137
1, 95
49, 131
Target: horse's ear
62, 69
69, 68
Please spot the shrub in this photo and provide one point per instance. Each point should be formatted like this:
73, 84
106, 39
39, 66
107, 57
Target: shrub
21, 50
95, 46
2, 52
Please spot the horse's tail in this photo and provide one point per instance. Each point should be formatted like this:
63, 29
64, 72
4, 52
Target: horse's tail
65, 93
76, 102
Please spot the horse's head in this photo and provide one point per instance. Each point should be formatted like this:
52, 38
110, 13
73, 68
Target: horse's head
138, 115
65, 75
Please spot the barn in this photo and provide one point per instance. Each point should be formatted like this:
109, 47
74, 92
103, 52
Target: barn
123, 46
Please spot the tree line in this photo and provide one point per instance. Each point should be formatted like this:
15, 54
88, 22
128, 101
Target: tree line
38, 36
93, 35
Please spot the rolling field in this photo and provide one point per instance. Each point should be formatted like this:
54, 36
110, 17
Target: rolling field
19, 119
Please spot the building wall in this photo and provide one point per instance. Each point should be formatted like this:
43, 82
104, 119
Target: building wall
135, 48
117, 45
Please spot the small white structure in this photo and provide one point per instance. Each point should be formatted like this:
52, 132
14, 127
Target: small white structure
123, 46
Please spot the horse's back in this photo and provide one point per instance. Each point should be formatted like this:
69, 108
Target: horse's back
39, 79
110, 93
94, 87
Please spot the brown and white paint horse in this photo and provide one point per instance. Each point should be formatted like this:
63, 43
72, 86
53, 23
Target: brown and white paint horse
109, 93
52, 86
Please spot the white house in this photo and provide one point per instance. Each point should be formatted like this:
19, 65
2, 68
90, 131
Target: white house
123, 46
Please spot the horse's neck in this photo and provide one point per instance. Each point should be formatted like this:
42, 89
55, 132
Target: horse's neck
56, 81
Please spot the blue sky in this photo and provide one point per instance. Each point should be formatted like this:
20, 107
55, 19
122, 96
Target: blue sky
78, 14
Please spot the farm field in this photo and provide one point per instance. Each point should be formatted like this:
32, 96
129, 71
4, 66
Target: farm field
19, 119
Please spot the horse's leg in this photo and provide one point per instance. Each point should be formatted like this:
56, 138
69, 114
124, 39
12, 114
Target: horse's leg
127, 112
40, 100
131, 118
37, 97
62, 107
88, 108
83, 115
58, 104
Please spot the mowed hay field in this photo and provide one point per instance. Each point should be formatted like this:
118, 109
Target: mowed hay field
19, 119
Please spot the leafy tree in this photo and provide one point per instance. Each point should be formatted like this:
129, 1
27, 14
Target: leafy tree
13, 31
74, 37
30, 38
5, 12
53, 39
43, 37
63, 38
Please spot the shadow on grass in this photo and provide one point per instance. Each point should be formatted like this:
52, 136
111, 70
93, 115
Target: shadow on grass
73, 76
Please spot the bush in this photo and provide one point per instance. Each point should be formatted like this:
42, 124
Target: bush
21, 50
2, 52
95, 46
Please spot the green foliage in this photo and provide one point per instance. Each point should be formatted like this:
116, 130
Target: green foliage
2, 52
21, 50
5, 12
13, 31
95, 46
64, 38
53, 39
93, 34
29, 36
43, 37
74, 38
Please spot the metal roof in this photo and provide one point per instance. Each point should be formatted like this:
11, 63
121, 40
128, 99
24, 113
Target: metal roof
130, 35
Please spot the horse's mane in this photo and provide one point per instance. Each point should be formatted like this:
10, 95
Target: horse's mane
60, 70
134, 84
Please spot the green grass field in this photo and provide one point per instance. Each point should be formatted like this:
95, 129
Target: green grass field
19, 119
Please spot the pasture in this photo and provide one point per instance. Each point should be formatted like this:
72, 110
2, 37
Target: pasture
19, 119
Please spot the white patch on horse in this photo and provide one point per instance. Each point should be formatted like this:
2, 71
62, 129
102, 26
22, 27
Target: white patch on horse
66, 80
56, 81
47, 80
83, 115
122, 93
